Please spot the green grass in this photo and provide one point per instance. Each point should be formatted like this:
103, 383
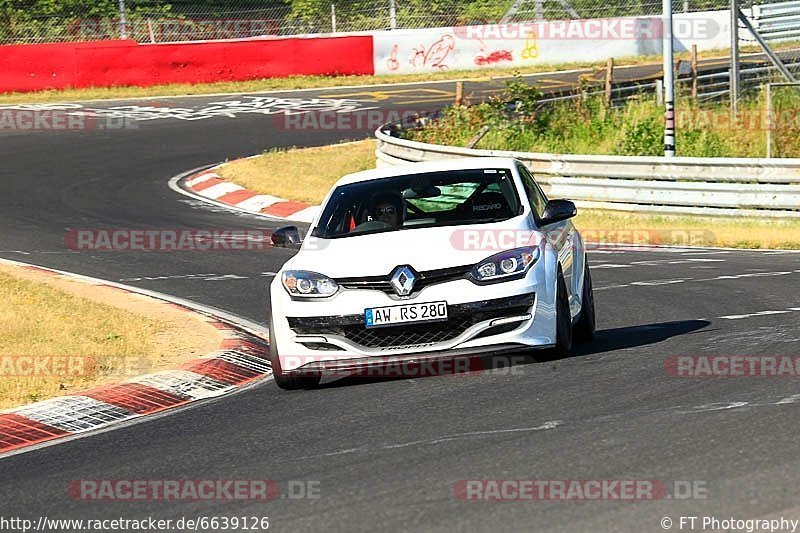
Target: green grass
588, 127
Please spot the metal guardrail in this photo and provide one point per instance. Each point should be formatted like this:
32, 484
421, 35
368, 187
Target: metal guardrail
777, 21
711, 85
680, 185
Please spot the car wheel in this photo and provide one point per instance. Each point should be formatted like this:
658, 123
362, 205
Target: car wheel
563, 345
584, 329
282, 379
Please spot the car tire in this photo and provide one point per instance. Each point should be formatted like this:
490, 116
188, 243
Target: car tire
585, 327
563, 347
282, 379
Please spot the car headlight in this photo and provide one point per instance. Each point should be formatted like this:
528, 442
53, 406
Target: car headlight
511, 264
307, 284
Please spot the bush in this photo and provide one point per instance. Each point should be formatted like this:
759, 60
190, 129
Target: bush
519, 121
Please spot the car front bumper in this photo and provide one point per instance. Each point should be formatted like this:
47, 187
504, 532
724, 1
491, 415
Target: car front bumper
482, 320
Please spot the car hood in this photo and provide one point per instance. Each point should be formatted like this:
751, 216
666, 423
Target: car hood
422, 248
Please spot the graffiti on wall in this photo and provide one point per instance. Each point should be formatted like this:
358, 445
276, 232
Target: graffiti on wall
436, 55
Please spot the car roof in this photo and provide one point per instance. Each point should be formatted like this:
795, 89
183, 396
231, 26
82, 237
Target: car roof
462, 163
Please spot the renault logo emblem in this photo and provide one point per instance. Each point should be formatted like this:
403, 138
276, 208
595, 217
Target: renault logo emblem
403, 280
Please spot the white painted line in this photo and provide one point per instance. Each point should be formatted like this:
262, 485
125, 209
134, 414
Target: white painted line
707, 253
750, 315
750, 275
609, 265
657, 282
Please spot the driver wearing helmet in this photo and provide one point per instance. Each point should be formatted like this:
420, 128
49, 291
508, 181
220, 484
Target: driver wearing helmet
388, 207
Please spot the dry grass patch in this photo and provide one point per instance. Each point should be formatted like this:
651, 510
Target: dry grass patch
301, 174
84, 335
692, 230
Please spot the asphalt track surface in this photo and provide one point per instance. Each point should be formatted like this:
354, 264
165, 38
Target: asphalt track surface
387, 453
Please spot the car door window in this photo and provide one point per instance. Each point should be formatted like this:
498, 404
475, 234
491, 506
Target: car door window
536, 197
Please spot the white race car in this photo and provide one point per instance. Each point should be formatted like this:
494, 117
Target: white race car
429, 260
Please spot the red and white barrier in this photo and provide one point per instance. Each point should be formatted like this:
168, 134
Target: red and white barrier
120, 63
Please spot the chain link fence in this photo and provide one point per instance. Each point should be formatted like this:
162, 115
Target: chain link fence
36, 21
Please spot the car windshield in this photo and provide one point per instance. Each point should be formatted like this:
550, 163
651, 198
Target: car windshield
453, 197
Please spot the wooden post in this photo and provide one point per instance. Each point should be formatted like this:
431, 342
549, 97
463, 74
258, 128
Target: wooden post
768, 103
609, 79
694, 73
459, 93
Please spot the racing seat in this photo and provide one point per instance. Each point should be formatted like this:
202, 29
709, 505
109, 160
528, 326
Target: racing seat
490, 205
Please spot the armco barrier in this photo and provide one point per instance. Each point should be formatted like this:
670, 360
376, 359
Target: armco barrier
688, 185
33, 67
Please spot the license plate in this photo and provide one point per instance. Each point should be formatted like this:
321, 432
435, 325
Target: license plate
405, 314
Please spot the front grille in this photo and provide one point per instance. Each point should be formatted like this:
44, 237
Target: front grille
460, 318
424, 279
407, 335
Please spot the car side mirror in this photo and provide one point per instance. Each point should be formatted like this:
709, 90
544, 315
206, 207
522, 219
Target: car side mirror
558, 210
286, 237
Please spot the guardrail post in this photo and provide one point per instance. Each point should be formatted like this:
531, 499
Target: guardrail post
734, 80
768, 98
669, 80
694, 73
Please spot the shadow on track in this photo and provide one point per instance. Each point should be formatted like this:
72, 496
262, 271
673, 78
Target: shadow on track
607, 340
